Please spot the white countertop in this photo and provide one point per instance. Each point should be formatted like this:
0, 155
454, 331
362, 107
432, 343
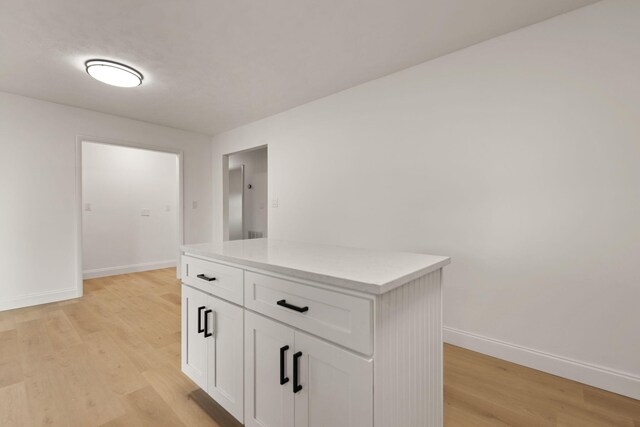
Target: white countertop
364, 270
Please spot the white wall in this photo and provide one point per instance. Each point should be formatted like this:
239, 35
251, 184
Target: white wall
235, 203
118, 183
38, 238
518, 157
254, 207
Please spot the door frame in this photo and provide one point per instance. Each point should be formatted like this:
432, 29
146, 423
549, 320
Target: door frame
225, 188
78, 196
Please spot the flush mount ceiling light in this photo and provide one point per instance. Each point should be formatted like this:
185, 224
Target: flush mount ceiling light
113, 73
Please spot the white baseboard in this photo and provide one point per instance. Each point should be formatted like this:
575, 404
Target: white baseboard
597, 376
124, 269
39, 298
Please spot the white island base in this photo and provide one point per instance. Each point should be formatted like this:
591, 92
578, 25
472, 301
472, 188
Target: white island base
285, 334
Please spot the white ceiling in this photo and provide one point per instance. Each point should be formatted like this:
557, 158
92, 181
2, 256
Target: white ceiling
212, 65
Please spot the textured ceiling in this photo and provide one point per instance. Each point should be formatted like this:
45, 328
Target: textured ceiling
212, 65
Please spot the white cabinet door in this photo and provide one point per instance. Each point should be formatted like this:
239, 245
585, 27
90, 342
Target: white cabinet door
336, 385
223, 324
194, 344
268, 372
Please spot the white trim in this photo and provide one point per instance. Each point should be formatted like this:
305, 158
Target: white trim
124, 269
78, 216
597, 376
37, 298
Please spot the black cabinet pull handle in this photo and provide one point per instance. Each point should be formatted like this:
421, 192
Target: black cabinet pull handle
205, 277
207, 334
283, 379
296, 381
283, 303
200, 328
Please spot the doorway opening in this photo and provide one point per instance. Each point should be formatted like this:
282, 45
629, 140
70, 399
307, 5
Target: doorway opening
130, 209
246, 194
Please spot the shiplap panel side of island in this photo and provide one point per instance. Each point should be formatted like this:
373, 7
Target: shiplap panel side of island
408, 371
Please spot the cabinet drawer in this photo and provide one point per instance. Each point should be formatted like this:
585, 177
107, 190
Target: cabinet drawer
340, 318
216, 279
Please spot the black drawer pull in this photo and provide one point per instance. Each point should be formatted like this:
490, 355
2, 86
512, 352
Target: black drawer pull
205, 277
283, 379
207, 334
296, 381
200, 328
283, 303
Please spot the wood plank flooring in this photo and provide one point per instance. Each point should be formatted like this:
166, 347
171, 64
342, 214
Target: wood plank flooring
112, 358
484, 391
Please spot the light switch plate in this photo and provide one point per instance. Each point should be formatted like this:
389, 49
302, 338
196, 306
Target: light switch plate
194, 204
87, 207
146, 212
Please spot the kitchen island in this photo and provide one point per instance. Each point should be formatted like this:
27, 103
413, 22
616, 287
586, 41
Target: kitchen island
285, 334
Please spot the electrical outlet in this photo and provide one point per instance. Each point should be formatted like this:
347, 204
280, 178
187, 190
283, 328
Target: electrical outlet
194, 204
146, 212
167, 208
274, 203
87, 207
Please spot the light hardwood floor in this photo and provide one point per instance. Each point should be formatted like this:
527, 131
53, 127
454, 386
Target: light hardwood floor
112, 358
